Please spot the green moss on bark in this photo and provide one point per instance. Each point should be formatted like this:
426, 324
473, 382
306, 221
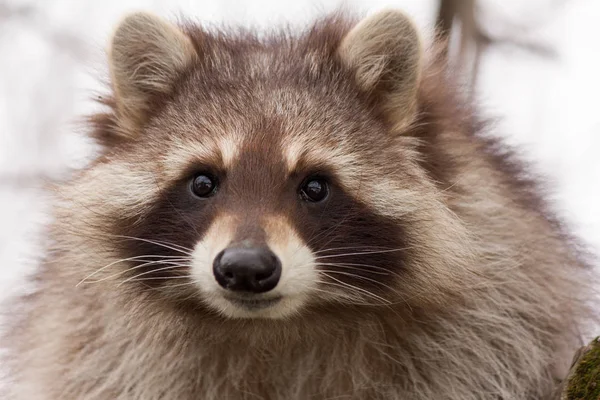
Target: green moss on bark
584, 384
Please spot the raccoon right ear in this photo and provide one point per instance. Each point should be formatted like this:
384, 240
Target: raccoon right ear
385, 52
145, 57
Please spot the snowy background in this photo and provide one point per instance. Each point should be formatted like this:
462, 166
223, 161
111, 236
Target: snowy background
52, 51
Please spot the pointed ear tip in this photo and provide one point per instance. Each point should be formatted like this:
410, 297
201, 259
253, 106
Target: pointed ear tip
394, 16
129, 19
389, 22
137, 16
139, 26
392, 12
134, 20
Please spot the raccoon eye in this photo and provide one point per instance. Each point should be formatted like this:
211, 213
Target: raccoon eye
204, 185
314, 189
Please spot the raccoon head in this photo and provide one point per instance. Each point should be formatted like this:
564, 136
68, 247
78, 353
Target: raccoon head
267, 177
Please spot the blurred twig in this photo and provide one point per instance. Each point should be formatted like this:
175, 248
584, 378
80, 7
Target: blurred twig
468, 14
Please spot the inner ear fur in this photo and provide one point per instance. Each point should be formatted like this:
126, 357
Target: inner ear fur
145, 57
385, 53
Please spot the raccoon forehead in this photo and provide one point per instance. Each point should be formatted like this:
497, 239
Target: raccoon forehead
299, 155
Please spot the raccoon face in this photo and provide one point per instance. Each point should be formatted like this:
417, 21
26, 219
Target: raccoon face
263, 179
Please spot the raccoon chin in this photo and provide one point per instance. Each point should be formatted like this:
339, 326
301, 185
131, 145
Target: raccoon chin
251, 306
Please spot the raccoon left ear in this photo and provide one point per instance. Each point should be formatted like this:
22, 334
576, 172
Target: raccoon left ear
385, 52
145, 56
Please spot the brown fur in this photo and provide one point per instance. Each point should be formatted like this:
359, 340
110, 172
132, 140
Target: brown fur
484, 299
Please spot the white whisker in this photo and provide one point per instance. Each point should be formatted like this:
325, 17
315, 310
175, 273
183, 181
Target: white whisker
167, 245
178, 261
160, 277
151, 272
372, 269
120, 261
366, 248
364, 291
363, 253
360, 277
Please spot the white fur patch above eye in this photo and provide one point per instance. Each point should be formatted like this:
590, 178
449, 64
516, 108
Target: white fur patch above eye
229, 147
184, 153
217, 152
292, 154
307, 151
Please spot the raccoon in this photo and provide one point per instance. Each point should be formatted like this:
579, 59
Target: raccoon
297, 215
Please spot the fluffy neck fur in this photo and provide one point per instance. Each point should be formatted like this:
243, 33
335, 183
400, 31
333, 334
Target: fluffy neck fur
497, 343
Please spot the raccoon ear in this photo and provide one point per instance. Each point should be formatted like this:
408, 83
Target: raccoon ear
385, 52
145, 56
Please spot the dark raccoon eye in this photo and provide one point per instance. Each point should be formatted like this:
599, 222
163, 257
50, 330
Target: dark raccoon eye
204, 185
314, 189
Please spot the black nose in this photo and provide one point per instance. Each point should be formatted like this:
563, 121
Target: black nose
254, 269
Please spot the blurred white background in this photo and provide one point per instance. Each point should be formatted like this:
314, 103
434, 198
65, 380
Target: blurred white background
52, 53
